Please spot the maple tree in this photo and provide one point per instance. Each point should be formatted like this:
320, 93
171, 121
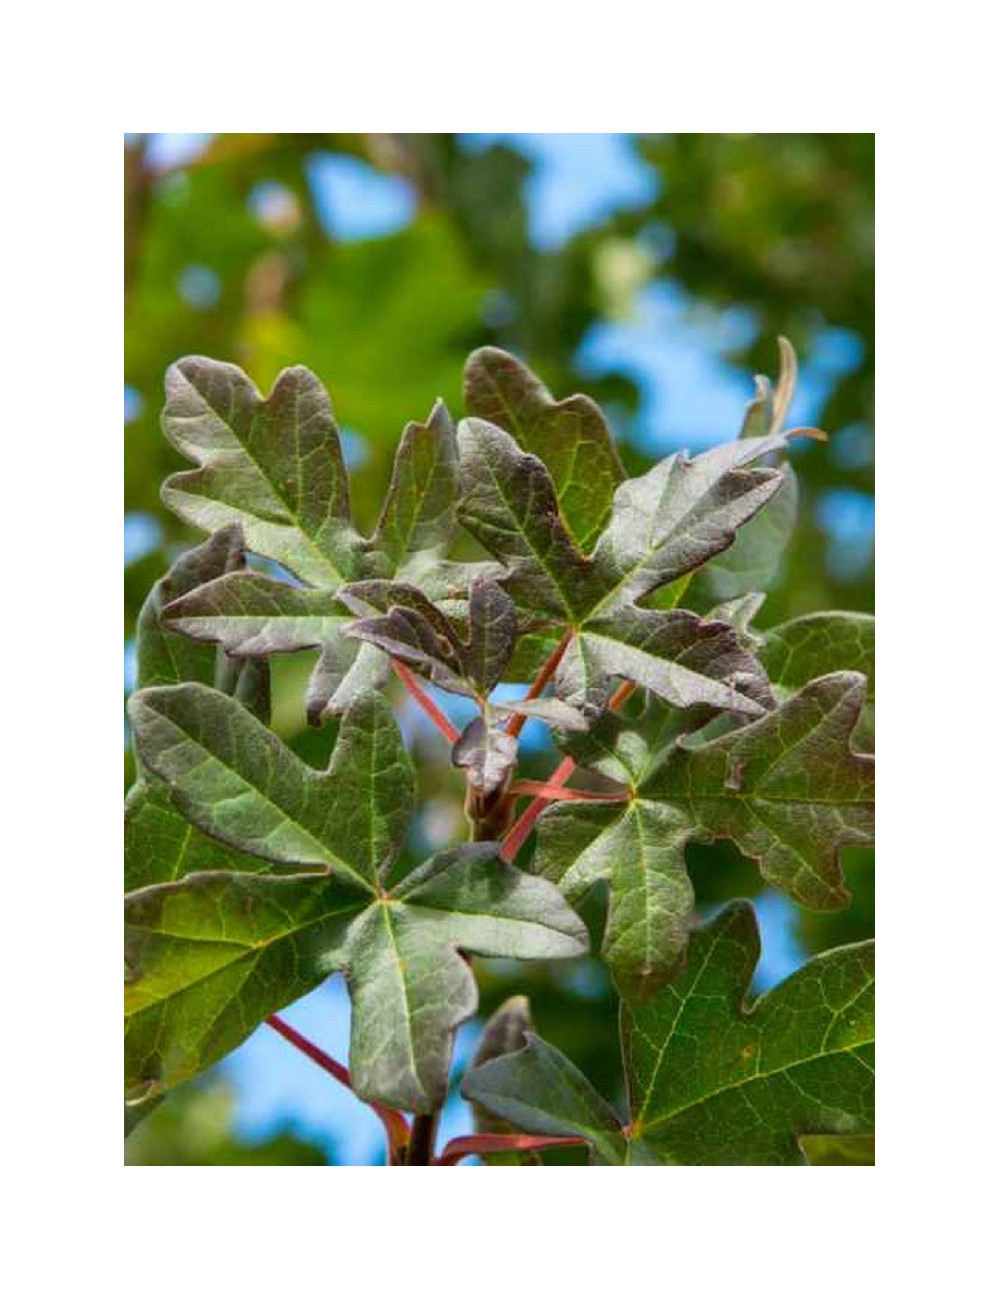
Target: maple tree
630, 605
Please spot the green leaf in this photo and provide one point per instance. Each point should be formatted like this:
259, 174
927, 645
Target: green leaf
213, 954
273, 465
238, 782
160, 844
538, 1090
795, 652
506, 1031
418, 516
163, 658
681, 658
253, 615
680, 514
276, 465
509, 504
662, 525
751, 563
788, 789
711, 1078
570, 436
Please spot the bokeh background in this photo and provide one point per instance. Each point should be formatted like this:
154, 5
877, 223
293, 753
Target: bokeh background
653, 272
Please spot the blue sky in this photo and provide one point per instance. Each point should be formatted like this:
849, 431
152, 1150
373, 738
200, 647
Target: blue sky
690, 396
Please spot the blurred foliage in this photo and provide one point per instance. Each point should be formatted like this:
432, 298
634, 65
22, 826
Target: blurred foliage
233, 255
194, 1127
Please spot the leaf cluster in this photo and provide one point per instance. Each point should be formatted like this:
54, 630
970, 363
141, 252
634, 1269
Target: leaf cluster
252, 876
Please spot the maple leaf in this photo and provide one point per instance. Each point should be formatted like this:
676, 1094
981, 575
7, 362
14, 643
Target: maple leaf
712, 1078
788, 789
159, 843
662, 525
211, 955
275, 466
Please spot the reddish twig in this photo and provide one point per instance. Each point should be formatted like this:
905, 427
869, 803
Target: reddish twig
489, 1143
521, 829
409, 680
517, 722
550, 792
395, 1125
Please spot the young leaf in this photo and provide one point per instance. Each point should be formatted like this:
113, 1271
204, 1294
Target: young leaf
752, 561
487, 754
276, 465
212, 955
538, 1090
506, 1031
712, 1079
788, 789
412, 628
570, 436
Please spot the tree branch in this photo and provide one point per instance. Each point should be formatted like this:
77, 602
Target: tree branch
409, 680
541, 681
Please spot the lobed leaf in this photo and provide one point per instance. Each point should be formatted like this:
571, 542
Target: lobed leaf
570, 436
662, 525
214, 953
795, 652
788, 789
275, 465
713, 1079
159, 843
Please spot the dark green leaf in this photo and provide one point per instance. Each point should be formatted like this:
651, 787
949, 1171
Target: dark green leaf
808, 647
788, 789
238, 782
711, 1078
211, 955
162, 657
570, 436
160, 844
